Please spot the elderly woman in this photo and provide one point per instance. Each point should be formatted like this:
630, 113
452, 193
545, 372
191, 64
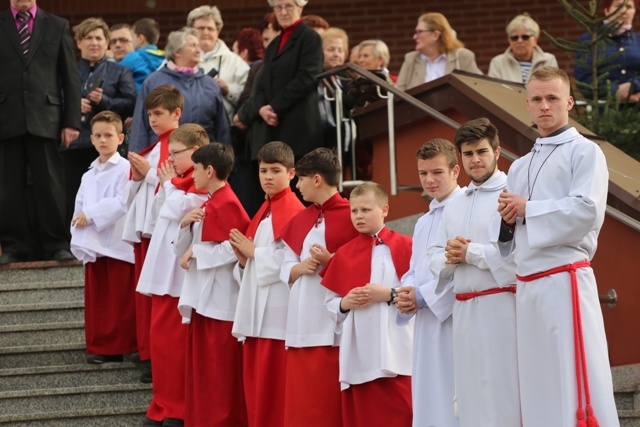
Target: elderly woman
625, 74
523, 55
229, 70
285, 100
438, 52
105, 85
202, 96
374, 55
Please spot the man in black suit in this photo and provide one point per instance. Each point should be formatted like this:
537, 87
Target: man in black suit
39, 107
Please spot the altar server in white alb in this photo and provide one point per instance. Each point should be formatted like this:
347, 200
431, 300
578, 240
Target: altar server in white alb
96, 231
260, 321
555, 203
432, 377
375, 352
485, 361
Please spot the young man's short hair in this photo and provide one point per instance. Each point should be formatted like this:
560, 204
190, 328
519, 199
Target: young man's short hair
378, 191
108, 117
437, 146
277, 152
216, 155
476, 130
149, 28
321, 161
164, 96
191, 135
547, 73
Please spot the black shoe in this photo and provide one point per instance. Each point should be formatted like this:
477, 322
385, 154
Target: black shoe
8, 258
145, 371
98, 359
148, 422
172, 422
132, 357
63, 255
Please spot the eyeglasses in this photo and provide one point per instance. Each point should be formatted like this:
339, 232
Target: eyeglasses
524, 37
418, 32
122, 40
288, 7
173, 154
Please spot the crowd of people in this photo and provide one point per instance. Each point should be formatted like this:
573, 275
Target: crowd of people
260, 296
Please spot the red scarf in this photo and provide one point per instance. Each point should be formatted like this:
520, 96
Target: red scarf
286, 33
338, 227
350, 267
185, 182
282, 207
164, 151
223, 212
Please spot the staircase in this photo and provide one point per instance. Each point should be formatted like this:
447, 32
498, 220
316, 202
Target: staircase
626, 384
44, 380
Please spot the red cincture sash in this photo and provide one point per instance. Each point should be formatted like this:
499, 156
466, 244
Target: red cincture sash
471, 295
578, 340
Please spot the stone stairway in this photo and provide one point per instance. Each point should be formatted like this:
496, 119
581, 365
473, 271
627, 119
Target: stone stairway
626, 384
44, 380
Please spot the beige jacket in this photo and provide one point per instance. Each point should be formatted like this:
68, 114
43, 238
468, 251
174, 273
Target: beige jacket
505, 66
412, 72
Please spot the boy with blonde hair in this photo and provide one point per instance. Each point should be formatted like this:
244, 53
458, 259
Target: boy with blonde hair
375, 352
261, 316
96, 230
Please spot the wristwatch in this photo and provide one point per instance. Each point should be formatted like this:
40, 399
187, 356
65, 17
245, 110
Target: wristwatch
394, 295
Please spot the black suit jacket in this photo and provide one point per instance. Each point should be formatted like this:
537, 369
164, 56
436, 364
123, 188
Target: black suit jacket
39, 93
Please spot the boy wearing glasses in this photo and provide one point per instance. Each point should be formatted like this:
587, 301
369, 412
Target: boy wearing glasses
161, 276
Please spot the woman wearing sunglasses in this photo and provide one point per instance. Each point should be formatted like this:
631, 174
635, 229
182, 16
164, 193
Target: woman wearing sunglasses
523, 55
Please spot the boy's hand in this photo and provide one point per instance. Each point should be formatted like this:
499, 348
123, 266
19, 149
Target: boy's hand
356, 298
242, 243
195, 215
184, 261
406, 300
80, 221
320, 254
241, 258
139, 166
378, 293
456, 250
306, 266
511, 206
166, 171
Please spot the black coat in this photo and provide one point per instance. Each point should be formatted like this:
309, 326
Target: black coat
39, 93
288, 83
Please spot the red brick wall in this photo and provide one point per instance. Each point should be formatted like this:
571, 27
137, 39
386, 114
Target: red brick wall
480, 24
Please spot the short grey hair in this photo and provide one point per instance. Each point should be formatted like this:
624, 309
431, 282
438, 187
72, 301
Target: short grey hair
379, 50
208, 12
176, 41
526, 22
299, 3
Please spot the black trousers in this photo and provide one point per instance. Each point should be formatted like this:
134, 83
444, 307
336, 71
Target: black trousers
40, 214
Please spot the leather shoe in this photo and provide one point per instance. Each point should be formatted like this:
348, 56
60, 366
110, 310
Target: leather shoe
172, 422
99, 359
8, 258
63, 255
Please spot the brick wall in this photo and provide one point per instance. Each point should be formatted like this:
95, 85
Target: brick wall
480, 24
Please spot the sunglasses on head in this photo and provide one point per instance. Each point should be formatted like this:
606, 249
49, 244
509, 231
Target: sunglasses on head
524, 37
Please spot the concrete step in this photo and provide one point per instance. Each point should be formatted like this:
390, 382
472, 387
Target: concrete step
40, 334
63, 376
43, 355
41, 292
39, 401
42, 313
109, 417
629, 418
41, 272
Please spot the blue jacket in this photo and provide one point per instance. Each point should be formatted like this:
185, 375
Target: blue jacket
202, 105
142, 62
118, 95
628, 45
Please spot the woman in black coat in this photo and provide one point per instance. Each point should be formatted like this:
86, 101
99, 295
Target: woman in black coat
285, 102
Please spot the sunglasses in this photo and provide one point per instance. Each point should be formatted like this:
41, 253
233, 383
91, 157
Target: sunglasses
524, 37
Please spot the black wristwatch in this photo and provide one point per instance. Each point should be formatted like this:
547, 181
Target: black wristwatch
394, 295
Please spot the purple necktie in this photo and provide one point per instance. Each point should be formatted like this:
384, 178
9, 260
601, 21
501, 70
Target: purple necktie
23, 31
